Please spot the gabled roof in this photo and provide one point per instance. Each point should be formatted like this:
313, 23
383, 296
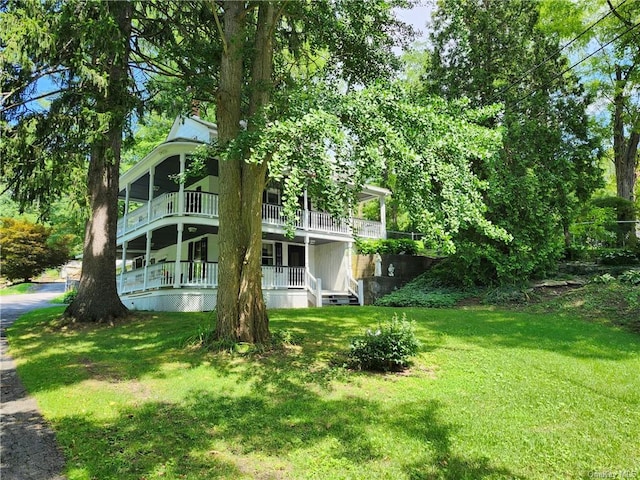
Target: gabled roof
192, 128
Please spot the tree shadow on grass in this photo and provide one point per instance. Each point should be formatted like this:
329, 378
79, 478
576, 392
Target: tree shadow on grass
212, 435
483, 326
286, 413
441, 461
58, 356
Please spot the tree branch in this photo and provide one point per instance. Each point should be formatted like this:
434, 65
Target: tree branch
219, 26
32, 99
628, 23
37, 75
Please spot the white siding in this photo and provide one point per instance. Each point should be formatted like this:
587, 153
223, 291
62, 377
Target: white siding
330, 265
188, 128
209, 184
205, 300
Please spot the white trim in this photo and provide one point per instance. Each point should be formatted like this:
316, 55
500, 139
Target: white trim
205, 299
154, 158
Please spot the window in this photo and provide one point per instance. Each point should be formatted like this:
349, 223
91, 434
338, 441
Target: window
271, 196
267, 254
198, 250
197, 259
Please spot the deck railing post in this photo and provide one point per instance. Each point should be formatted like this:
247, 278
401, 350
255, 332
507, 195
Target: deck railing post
177, 270
319, 292
123, 268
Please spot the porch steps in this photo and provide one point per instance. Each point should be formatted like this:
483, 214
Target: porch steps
338, 298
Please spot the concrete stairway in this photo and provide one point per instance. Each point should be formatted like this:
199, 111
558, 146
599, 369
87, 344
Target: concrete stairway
338, 298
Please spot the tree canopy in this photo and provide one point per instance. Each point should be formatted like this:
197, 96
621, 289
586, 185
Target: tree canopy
303, 94
495, 51
81, 51
28, 249
604, 35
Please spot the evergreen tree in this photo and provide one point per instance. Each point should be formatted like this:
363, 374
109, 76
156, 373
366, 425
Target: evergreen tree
78, 52
494, 51
605, 37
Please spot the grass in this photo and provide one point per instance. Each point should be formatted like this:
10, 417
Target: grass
17, 289
494, 394
615, 303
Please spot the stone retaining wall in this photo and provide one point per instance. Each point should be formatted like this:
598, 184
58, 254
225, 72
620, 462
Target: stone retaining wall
405, 268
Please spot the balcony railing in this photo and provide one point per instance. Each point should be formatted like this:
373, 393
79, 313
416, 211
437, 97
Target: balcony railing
206, 205
202, 275
283, 277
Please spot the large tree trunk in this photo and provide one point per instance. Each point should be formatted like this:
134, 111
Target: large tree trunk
241, 311
97, 299
625, 156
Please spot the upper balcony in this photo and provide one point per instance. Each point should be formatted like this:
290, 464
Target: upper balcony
205, 205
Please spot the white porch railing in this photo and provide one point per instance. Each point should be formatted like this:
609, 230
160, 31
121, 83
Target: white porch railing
158, 276
272, 215
353, 287
203, 275
324, 222
198, 203
206, 205
314, 287
367, 228
198, 274
201, 203
164, 205
282, 277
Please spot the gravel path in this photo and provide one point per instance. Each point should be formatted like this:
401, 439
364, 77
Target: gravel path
28, 449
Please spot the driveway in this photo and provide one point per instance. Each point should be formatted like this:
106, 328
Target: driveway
28, 449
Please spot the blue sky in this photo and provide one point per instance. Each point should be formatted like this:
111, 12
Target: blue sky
417, 16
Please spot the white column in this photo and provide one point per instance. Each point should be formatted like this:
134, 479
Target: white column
124, 264
305, 212
349, 264
183, 163
152, 176
176, 276
125, 217
306, 252
319, 293
383, 216
147, 255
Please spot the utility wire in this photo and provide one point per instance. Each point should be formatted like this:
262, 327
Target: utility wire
579, 62
498, 95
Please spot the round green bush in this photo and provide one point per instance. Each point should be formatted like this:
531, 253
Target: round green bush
388, 348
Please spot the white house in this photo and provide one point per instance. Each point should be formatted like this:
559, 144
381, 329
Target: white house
168, 236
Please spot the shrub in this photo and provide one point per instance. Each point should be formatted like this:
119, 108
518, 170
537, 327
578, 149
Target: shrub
619, 257
387, 348
69, 296
506, 295
630, 276
603, 279
575, 252
402, 246
28, 249
425, 291
439, 298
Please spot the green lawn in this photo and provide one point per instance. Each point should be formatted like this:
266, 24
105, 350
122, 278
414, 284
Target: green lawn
493, 395
17, 289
